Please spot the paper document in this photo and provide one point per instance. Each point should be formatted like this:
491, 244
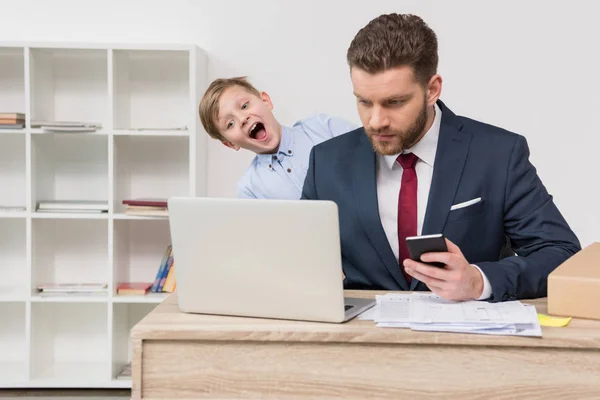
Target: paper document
426, 309
428, 312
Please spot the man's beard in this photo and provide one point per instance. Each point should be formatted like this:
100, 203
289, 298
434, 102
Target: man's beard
407, 138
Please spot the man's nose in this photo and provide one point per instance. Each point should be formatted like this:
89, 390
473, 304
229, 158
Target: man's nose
379, 119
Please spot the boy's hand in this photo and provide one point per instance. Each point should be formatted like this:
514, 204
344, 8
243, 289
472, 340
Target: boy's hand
458, 280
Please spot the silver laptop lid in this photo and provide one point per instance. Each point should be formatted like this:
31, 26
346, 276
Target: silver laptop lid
263, 258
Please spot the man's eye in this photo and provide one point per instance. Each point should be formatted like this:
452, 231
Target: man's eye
244, 106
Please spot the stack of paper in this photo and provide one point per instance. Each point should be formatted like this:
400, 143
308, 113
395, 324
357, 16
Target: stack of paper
428, 312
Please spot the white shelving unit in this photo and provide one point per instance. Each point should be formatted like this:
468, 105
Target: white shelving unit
151, 144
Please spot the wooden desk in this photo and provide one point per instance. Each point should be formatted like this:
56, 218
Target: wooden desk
177, 356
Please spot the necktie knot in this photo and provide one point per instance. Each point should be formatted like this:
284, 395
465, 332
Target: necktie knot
407, 160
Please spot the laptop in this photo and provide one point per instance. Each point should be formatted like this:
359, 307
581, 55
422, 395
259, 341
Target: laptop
260, 258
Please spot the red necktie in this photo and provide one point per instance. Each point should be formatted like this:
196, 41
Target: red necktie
407, 207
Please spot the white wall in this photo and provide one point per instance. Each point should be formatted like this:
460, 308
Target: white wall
530, 67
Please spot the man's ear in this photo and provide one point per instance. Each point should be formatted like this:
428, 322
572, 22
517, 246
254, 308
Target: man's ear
434, 89
265, 97
227, 143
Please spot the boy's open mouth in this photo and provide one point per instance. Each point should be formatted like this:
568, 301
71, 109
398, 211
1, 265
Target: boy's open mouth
257, 131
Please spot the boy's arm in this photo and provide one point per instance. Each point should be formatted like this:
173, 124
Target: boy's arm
338, 126
244, 192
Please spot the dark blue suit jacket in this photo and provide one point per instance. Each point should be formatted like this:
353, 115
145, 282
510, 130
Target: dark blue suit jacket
473, 160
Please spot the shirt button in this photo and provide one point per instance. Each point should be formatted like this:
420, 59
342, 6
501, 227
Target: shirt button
269, 165
289, 170
275, 158
289, 152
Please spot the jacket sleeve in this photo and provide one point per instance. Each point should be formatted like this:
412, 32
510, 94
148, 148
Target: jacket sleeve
309, 190
538, 233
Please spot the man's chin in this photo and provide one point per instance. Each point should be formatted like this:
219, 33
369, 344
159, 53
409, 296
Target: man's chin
385, 149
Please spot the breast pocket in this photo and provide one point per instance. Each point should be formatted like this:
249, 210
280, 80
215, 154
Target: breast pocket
469, 211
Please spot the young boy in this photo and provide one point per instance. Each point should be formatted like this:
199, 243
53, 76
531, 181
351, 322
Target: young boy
241, 117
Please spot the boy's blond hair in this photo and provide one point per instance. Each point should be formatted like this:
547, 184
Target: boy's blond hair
209, 105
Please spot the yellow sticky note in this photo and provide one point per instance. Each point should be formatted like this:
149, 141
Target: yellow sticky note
556, 322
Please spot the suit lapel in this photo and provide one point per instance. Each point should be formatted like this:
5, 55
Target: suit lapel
452, 150
364, 184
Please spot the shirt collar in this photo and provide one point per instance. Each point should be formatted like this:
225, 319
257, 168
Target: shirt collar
425, 148
286, 149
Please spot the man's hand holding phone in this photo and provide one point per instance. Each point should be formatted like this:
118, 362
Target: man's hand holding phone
456, 280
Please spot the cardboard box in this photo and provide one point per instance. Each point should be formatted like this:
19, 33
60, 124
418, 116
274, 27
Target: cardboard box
574, 287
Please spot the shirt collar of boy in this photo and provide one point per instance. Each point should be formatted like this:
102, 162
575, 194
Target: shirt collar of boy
286, 149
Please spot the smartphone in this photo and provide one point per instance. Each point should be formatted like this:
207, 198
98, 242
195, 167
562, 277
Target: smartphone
418, 245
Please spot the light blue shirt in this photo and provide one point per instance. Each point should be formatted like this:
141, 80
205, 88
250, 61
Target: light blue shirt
281, 175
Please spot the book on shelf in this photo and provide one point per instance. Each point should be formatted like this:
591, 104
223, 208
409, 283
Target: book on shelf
12, 208
163, 270
146, 206
72, 288
12, 120
126, 288
164, 281
88, 206
12, 126
66, 126
12, 116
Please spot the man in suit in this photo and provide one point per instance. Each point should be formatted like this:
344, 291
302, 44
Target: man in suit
416, 168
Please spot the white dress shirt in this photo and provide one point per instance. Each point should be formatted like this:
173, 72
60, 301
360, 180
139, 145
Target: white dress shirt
389, 177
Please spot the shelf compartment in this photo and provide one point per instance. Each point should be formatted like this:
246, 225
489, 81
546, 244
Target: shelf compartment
13, 259
151, 89
125, 317
12, 80
69, 341
139, 249
13, 344
69, 85
69, 251
13, 182
69, 167
150, 166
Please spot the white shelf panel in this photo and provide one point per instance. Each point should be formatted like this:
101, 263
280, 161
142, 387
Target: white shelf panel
163, 133
13, 214
69, 342
13, 257
150, 298
66, 383
13, 344
36, 298
61, 215
12, 170
151, 89
150, 166
12, 79
40, 131
69, 167
69, 251
69, 85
